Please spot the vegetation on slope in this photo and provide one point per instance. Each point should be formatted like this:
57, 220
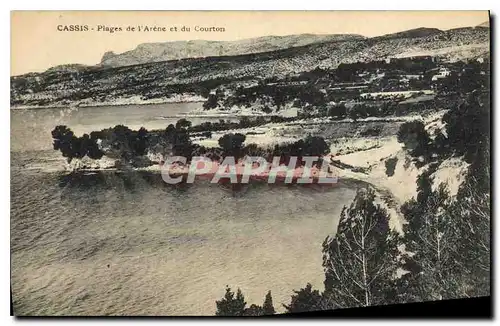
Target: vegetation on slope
199, 76
446, 238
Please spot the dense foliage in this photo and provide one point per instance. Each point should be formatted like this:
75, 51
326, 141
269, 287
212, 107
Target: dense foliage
444, 250
134, 147
230, 305
75, 147
360, 261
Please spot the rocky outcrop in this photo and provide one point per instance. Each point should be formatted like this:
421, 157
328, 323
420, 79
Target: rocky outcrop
108, 56
156, 52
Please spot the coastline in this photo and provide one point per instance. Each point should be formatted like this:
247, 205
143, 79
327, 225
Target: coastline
384, 188
93, 105
117, 102
357, 158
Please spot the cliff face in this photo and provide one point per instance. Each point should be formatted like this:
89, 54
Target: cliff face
110, 55
155, 52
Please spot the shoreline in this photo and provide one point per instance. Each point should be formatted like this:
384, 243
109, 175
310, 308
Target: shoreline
385, 187
93, 105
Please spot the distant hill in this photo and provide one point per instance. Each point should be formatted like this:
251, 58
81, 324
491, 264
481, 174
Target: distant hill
485, 24
155, 52
413, 33
68, 67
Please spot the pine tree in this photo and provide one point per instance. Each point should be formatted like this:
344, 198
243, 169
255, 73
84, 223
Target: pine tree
229, 305
473, 207
268, 305
474, 247
306, 299
448, 242
431, 241
253, 310
361, 260
448, 239
467, 125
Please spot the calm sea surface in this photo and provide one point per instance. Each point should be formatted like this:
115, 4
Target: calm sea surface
129, 244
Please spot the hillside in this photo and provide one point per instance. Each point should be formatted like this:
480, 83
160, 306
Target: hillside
155, 52
412, 33
68, 68
166, 79
486, 24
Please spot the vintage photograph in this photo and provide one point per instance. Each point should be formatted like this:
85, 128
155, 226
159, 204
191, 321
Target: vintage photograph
247, 163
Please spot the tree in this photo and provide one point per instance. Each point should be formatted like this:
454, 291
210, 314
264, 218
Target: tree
358, 111
229, 305
471, 78
268, 307
170, 131
353, 113
139, 141
254, 310
254, 150
432, 239
472, 205
116, 142
279, 98
181, 144
232, 144
447, 239
467, 125
476, 236
305, 299
266, 109
361, 260
182, 124
93, 150
211, 102
346, 72
415, 138
245, 122
75, 147
338, 111
315, 146
63, 139
441, 144
388, 108
122, 142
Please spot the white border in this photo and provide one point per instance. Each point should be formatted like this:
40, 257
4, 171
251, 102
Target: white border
185, 5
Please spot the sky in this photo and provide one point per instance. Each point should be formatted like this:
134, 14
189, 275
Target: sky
36, 43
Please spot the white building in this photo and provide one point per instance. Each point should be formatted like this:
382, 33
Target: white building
442, 73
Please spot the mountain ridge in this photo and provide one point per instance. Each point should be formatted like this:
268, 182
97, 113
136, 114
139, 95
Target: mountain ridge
164, 79
175, 50
178, 50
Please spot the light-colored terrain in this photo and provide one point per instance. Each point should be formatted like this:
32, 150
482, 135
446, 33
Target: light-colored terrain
155, 52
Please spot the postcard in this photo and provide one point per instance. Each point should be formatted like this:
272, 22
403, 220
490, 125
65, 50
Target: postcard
249, 163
